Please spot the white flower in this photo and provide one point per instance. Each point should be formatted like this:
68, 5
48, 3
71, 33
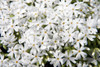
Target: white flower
43, 44
91, 26
68, 35
8, 39
79, 23
88, 35
72, 8
12, 26
50, 24
36, 57
78, 39
54, 42
79, 52
12, 51
68, 58
70, 24
35, 31
3, 61
57, 59
82, 65
34, 46
16, 61
45, 33
23, 50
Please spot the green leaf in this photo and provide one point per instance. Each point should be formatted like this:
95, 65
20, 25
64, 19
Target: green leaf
80, 0
63, 65
0, 44
73, 1
28, 50
12, 15
29, 20
4, 47
29, 4
44, 26
44, 59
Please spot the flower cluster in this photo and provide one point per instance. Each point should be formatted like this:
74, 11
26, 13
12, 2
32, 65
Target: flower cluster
62, 32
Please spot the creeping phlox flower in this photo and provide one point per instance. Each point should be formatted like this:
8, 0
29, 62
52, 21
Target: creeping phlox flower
61, 32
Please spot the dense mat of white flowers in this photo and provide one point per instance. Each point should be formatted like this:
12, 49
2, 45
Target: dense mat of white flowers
58, 31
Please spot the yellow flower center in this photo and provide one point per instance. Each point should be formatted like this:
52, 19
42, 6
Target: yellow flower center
1, 61
16, 61
85, 34
37, 24
17, 12
55, 41
9, 42
69, 35
61, 30
23, 25
68, 58
0, 8
23, 51
71, 22
36, 56
57, 58
72, 8
33, 44
79, 51
49, 22
89, 27
81, 10
77, 39
36, 14
45, 32
22, 7
12, 50
63, 23
76, 22
66, 5
42, 43
11, 25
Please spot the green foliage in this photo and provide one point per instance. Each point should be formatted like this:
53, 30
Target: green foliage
80, 0
29, 4
73, 1
29, 20
12, 15
44, 26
